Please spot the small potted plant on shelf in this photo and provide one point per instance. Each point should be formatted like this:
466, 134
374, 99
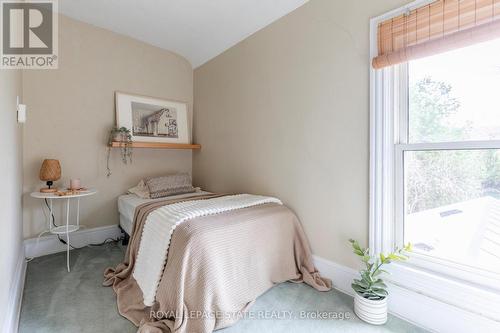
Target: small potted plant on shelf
123, 136
370, 299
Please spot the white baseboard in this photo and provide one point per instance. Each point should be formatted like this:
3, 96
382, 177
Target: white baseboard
37, 247
423, 311
13, 310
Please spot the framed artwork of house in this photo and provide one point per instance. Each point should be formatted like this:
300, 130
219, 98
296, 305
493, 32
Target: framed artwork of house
152, 119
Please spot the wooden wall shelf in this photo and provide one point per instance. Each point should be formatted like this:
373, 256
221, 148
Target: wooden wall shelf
157, 145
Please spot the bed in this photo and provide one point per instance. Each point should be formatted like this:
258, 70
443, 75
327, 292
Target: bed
128, 203
197, 262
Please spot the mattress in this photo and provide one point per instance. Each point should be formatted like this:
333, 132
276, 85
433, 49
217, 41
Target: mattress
128, 203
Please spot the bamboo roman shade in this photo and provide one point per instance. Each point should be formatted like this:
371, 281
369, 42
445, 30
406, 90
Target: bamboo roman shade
440, 26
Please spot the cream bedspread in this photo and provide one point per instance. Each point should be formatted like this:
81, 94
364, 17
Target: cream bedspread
160, 225
217, 266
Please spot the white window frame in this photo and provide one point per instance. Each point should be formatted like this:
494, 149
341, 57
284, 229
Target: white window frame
453, 283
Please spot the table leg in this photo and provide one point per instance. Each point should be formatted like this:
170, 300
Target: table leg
77, 212
67, 234
51, 213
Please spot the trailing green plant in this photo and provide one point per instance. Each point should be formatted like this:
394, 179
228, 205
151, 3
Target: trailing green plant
370, 285
123, 136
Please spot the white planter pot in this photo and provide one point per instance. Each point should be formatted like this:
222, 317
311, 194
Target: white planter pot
119, 137
373, 312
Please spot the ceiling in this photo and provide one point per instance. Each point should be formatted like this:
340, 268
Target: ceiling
196, 29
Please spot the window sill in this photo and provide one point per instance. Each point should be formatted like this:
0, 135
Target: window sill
447, 289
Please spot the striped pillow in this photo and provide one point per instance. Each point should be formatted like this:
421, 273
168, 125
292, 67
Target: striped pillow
165, 186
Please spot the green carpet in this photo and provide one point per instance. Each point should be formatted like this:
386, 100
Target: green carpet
57, 301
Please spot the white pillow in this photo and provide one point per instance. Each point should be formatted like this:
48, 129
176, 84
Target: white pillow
141, 190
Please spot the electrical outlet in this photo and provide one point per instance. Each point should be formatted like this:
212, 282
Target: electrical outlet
21, 113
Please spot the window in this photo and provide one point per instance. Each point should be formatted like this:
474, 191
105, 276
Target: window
439, 172
435, 149
454, 96
451, 183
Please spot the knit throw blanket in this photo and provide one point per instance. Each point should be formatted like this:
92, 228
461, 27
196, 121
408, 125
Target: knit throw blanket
160, 225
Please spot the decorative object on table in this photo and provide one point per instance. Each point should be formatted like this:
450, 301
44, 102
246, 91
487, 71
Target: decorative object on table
153, 119
71, 192
67, 228
123, 136
50, 172
75, 184
370, 299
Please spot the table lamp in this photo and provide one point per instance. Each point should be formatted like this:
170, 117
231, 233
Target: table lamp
50, 172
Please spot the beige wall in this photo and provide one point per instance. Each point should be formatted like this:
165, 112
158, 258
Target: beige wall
286, 113
71, 109
10, 193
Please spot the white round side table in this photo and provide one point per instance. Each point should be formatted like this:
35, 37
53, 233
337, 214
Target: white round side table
68, 228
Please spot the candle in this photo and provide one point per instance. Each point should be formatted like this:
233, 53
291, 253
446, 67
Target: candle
74, 184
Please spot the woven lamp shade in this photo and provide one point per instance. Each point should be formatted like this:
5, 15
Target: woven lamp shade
50, 170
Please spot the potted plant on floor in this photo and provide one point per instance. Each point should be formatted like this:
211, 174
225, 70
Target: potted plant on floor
370, 299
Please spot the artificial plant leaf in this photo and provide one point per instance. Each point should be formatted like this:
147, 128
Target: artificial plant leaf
374, 298
361, 283
378, 272
393, 256
379, 285
358, 288
382, 257
366, 276
380, 292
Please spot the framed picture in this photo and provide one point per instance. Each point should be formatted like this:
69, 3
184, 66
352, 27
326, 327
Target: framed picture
151, 119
